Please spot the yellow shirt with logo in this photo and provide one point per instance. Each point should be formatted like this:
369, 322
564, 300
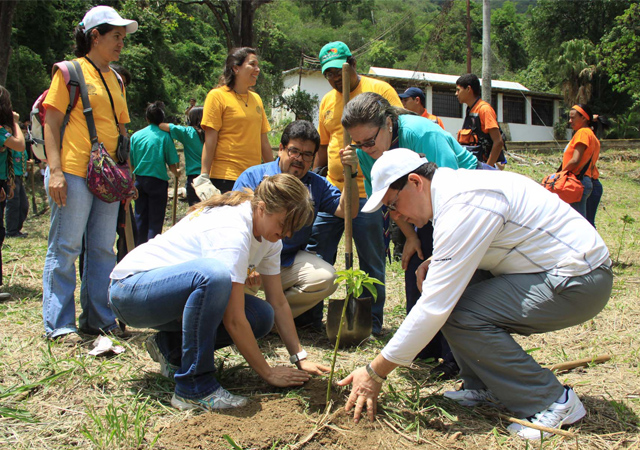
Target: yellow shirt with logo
330, 125
76, 143
239, 127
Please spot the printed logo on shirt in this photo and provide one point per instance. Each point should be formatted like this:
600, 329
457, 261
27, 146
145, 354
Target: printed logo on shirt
442, 260
251, 269
328, 115
91, 89
258, 109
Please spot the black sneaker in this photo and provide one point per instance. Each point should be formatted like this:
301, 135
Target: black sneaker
446, 370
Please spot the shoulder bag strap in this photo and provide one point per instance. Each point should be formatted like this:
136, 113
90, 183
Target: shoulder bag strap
586, 167
113, 108
86, 105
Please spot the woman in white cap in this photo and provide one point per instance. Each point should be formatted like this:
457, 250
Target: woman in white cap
75, 211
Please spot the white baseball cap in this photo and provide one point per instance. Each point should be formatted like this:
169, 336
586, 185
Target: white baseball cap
106, 14
390, 167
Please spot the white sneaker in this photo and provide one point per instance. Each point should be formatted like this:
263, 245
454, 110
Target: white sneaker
220, 399
166, 368
472, 397
569, 411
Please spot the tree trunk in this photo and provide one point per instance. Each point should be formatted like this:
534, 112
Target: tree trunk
486, 51
246, 24
7, 8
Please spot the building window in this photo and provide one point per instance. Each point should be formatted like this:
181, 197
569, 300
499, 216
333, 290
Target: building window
446, 104
542, 112
513, 109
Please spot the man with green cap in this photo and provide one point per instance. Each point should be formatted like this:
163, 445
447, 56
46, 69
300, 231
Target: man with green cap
368, 228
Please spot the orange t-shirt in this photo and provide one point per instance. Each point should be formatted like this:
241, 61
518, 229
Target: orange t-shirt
587, 137
488, 119
433, 118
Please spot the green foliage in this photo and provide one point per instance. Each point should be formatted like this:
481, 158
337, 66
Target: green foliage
121, 426
626, 220
26, 80
625, 126
356, 280
180, 48
508, 37
300, 103
560, 130
619, 53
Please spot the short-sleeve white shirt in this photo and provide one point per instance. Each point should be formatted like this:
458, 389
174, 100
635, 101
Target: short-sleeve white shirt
223, 233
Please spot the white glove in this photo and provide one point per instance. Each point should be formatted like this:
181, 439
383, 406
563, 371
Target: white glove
203, 187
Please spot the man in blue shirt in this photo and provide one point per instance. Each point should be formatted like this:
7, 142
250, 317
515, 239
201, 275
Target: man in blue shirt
306, 278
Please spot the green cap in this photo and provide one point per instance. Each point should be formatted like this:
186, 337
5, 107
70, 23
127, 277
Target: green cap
334, 55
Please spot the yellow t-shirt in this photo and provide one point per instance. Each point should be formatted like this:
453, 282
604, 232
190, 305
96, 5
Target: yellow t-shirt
76, 144
239, 127
330, 125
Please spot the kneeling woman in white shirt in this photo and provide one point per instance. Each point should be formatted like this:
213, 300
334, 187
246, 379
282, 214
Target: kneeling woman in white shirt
188, 283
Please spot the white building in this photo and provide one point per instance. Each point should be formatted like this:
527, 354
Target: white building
524, 115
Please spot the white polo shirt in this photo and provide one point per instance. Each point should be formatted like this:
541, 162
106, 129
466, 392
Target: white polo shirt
224, 233
497, 221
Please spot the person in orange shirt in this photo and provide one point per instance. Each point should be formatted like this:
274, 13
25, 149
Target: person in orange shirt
480, 128
582, 153
414, 100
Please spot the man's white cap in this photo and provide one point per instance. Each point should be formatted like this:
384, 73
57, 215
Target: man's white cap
391, 166
106, 14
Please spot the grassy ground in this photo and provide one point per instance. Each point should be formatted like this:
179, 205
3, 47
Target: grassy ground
53, 397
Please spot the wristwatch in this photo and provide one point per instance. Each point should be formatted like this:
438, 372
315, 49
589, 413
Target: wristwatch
295, 359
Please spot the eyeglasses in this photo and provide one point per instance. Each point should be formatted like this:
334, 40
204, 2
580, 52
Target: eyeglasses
332, 74
368, 144
294, 152
392, 205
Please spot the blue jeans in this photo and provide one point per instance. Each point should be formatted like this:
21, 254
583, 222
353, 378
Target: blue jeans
17, 208
85, 215
186, 303
581, 206
368, 235
593, 201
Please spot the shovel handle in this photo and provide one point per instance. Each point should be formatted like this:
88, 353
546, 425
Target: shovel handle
348, 224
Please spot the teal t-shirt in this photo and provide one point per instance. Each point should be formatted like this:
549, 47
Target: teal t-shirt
19, 163
427, 138
189, 138
4, 135
151, 149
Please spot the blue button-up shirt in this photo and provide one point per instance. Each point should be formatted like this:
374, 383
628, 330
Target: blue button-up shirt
325, 198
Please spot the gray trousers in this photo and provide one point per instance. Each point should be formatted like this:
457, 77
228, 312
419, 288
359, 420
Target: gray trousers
492, 308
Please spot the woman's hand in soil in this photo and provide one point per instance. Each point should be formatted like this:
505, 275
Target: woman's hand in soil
313, 368
281, 376
364, 392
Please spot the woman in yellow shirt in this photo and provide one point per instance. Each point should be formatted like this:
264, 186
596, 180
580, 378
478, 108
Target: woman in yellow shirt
234, 123
75, 211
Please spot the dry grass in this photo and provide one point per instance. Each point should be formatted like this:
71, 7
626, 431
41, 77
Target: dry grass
54, 397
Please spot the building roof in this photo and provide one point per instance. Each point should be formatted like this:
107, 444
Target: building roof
438, 78
429, 78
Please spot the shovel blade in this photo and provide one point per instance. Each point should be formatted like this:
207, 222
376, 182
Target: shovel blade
356, 325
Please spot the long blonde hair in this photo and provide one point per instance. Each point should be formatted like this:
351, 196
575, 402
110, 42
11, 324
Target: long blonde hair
281, 192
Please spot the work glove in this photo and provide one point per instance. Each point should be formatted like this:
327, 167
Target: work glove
203, 187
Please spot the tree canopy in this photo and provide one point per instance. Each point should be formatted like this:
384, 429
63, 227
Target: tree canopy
181, 45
